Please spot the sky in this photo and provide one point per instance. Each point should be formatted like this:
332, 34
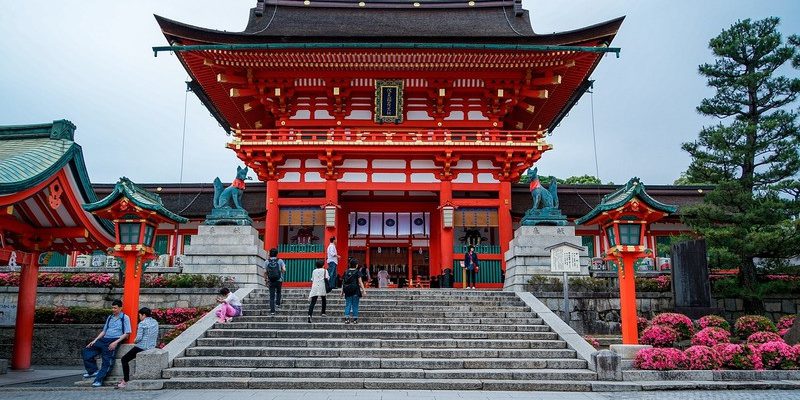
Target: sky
90, 61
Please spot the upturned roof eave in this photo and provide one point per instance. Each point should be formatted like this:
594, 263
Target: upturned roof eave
121, 190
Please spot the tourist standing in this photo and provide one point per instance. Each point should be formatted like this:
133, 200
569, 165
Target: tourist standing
319, 278
116, 329
146, 338
471, 265
275, 270
333, 261
231, 306
352, 290
383, 278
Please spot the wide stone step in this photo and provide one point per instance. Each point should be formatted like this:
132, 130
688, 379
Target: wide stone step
368, 312
373, 363
396, 307
330, 318
378, 343
337, 323
378, 334
302, 352
523, 374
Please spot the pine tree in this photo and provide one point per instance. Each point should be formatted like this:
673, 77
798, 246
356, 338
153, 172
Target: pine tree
752, 153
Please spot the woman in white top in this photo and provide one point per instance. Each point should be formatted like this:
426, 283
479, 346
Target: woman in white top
318, 278
231, 306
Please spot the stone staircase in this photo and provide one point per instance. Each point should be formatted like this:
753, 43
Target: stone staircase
405, 339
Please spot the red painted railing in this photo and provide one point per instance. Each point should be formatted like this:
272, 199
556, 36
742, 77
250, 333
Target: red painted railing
378, 135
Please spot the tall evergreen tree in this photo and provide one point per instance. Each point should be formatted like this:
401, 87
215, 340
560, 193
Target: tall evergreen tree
752, 153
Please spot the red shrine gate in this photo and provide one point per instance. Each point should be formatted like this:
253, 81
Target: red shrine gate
405, 111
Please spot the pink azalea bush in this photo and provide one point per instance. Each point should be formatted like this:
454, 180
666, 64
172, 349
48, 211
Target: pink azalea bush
786, 322
792, 360
659, 336
701, 357
9, 279
763, 337
750, 324
774, 354
176, 316
660, 359
711, 336
713, 321
679, 322
738, 356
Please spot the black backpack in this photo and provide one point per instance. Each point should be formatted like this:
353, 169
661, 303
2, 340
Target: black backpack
273, 270
350, 286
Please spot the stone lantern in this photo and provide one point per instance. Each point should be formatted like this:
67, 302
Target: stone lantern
136, 214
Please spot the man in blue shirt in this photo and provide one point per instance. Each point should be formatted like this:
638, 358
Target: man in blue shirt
115, 330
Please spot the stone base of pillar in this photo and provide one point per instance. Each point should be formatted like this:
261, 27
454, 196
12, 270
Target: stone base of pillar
227, 251
527, 256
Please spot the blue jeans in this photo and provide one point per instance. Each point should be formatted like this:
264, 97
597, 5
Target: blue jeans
90, 355
332, 273
351, 306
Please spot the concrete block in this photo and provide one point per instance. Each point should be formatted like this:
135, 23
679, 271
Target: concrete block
607, 365
149, 364
628, 351
3, 366
145, 385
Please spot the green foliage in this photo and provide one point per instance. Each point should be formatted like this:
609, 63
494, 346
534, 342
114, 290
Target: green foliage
751, 155
582, 180
588, 284
686, 180
730, 288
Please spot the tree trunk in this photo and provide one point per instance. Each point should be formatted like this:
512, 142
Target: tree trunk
747, 272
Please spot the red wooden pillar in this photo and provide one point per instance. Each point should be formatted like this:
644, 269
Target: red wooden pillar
272, 221
26, 308
332, 199
446, 234
434, 241
627, 300
505, 227
130, 292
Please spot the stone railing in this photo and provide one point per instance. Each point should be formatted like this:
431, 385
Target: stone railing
102, 298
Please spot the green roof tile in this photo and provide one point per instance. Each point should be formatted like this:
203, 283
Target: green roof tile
139, 196
615, 199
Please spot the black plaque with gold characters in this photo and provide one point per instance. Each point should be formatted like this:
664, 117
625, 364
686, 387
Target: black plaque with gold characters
389, 101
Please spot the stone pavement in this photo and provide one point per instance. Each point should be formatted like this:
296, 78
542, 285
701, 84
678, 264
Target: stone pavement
109, 394
38, 374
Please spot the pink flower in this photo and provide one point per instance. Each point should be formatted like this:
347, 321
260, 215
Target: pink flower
659, 336
660, 359
764, 337
750, 324
786, 322
592, 341
711, 336
713, 320
679, 322
642, 324
737, 356
702, 357
774, 354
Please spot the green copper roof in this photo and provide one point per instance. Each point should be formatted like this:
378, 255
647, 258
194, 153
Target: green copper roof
139, 196
634, 188
30, 154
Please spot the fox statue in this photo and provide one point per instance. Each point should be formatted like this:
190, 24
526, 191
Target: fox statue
547, 197
231, 196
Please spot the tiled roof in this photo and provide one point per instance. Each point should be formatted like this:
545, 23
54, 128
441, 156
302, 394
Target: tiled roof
139, 196
615, 199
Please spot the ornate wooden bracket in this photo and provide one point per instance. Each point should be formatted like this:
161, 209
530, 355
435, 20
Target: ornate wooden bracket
331, 162
446, 161
511, 165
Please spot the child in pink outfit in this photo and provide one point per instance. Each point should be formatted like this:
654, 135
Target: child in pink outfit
231, 306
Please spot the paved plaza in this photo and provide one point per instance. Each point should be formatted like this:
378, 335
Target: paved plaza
110, 394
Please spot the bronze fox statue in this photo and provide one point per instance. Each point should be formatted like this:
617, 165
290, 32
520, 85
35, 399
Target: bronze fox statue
548, 196
231, 196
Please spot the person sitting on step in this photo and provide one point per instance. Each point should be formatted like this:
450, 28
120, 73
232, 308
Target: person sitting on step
231, 306
145, 339
116, 329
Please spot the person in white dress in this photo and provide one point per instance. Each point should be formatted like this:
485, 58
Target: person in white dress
383, 279
318, 278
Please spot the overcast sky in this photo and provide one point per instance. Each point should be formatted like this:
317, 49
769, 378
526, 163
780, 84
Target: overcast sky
91, 62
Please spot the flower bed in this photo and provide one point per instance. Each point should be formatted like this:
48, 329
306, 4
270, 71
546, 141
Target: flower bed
83, 315
110, 281
711, 347
662, 283
679, 322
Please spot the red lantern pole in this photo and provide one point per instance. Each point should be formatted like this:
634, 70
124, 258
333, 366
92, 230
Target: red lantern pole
130, 291
627, 299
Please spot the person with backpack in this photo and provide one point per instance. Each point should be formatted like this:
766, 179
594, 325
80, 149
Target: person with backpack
116, 329
319, 285
275, 270
352, 290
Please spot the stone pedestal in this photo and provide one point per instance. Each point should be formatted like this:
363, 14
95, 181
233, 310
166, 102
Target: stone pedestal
234, 251
527, 256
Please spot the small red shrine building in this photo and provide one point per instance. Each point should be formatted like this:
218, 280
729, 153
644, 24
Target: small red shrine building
393, 126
